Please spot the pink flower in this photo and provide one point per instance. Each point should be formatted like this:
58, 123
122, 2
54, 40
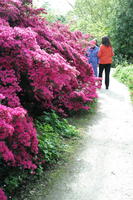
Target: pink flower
2, 195
42, 66
2, 96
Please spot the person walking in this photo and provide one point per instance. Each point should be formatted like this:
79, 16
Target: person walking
92, 55
105, 55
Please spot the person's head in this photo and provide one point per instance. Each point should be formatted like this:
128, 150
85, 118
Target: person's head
95, 39
106, 41
92, 43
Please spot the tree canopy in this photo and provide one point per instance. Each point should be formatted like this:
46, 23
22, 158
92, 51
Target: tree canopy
92, 16
105, 17
122, 28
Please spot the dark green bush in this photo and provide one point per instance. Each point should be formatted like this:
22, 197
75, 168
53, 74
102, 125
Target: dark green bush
50, 144
52, 132
58, 124
122, 28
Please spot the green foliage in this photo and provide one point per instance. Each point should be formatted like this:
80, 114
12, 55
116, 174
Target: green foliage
125, 75
51, 133
122, 28
50, 144
14, 180
11, 179
58, 124
92, 16
93, 106
106, 17
120, 60
51, 15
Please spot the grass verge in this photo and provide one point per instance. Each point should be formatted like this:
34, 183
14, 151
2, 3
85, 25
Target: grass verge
125, 75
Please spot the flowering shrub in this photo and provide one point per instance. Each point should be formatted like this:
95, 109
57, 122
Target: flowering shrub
43, 64
42, 67
18, 142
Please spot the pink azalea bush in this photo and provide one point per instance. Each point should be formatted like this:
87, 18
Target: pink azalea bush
2, 195
42, 66
18, 141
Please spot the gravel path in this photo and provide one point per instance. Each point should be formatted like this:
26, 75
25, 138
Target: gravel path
103, 169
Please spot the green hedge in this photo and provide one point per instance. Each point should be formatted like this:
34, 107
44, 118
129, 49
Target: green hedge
125, 75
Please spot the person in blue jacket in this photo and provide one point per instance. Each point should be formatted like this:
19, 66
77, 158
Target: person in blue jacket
92, 55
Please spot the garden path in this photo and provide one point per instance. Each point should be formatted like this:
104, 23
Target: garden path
102, 169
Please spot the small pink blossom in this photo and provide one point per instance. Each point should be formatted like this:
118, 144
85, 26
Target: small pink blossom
2, 195
2, 96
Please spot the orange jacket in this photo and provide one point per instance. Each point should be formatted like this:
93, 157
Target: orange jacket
105, 54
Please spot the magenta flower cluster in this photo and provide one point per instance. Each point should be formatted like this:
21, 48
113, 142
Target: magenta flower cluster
48, 55
2, 195
18, 141
41, 64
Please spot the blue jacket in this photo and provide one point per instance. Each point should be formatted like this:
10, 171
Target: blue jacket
92, 55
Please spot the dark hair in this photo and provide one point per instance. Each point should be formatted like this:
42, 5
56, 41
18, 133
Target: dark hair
106, 41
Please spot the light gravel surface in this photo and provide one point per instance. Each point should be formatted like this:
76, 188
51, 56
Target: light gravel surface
103, 167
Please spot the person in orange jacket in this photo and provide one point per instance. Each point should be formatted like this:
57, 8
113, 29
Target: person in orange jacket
105, 55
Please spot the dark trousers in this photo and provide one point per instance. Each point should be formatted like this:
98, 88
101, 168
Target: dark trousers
107, 73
